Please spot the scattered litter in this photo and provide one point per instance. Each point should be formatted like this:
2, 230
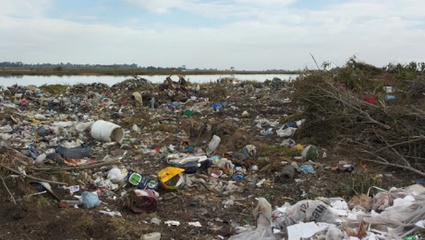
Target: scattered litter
172, 223
201, 151
195, 224
111, 213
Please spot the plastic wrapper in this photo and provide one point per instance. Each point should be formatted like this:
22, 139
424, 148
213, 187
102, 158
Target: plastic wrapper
400, 218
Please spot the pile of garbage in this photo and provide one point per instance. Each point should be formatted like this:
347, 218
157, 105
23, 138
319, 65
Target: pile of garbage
394, 214
126, 149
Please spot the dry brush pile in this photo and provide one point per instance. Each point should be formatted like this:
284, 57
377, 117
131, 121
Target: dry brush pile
339, 109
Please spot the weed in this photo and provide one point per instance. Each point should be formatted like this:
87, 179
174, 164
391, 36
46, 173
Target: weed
120, 226
362, 182
54, 88
217, 93
43, 202
85, 222
252, 82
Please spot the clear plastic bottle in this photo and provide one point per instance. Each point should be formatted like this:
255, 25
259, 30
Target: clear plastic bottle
153, 102
215, 141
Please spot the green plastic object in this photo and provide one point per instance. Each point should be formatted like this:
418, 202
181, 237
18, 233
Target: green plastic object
135, 178
411, 237
188, 112
310, 153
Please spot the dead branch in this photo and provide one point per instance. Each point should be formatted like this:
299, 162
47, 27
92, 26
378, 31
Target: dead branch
76, 168
386, 163
7, 189
389, 134
31, 177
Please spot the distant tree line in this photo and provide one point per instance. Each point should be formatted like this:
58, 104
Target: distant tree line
68, 66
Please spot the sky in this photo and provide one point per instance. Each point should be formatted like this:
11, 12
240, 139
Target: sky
218, 34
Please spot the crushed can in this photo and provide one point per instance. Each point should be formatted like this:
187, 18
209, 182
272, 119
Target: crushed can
140, 181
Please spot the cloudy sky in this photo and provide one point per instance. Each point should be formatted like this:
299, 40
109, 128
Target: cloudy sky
244, 34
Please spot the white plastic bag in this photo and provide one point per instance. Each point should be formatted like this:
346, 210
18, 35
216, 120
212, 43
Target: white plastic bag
264, 231
304, 211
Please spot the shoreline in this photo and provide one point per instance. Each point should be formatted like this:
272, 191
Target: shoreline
113, 72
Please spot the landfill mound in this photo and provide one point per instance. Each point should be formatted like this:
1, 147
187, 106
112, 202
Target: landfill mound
338, 153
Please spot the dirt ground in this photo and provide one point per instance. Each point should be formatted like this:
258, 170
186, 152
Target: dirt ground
217, 211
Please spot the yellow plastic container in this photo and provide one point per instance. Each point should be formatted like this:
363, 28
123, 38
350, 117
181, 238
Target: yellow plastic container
171, 178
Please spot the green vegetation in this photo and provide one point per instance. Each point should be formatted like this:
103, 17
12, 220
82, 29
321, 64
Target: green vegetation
54, 88
125, 72
68, 69
43, 202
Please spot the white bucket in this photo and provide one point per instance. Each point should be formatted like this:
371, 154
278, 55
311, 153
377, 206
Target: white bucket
107, 132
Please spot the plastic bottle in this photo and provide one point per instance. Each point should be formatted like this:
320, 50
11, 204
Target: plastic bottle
213, 143
153, 102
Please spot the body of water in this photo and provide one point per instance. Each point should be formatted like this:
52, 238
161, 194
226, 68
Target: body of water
111, 80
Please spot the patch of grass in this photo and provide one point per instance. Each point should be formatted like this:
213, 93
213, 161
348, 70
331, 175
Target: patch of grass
252, 82
275, 151
43, 202
362, 181
275, 155
122, 228
54, 88
85, 222
216, 93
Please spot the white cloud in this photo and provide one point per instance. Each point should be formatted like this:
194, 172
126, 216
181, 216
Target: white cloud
254, 36
23, 8
159, 6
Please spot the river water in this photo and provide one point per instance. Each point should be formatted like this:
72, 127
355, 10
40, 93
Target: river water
111, 80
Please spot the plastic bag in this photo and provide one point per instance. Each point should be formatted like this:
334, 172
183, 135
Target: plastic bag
264, 231
382, 200
142, 201
90, 199
400, 218
304, 211
76, 152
